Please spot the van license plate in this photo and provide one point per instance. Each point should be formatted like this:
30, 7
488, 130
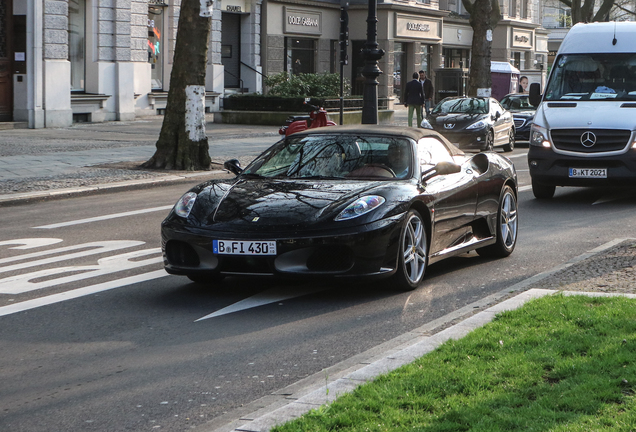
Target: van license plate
588, 173
237, 247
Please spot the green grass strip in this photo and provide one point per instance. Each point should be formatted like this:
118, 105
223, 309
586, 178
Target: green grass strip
556, 364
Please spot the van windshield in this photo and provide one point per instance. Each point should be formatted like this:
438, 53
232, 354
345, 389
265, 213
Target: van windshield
593, 77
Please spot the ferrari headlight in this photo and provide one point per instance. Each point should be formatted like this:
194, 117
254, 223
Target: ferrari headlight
361, 206
426, 124
539, 136
184, 205
478, 125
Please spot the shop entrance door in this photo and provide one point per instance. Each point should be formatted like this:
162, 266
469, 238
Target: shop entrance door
6, 75
230, 49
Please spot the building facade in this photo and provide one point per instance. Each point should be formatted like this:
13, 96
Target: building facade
65, 61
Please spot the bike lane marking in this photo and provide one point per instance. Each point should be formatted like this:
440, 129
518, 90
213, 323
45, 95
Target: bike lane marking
80, 292
104, 217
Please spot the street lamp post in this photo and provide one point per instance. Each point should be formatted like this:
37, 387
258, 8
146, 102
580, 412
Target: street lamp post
371, 71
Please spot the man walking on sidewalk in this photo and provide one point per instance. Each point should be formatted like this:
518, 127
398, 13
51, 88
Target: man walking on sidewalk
427, 86
414, 99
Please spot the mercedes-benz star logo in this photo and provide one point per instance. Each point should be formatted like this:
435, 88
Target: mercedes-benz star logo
588, 139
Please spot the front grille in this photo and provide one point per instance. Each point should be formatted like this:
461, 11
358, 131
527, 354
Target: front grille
330, 259
606, 140
519, 123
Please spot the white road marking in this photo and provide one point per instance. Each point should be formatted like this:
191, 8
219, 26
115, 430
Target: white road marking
20, 284
105, 217
266, 297
517, 155
30, 243
94, 248
80, 292
524, 188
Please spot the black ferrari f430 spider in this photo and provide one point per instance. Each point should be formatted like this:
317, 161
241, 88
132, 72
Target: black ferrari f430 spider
345, 201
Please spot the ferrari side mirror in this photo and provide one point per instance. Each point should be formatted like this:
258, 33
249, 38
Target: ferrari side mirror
442, 168
234, 166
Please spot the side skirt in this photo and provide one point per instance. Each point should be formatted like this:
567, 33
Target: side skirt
469, 245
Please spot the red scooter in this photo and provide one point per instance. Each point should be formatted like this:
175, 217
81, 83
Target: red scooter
316, 118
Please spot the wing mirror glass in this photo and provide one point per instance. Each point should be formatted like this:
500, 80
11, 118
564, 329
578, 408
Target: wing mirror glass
534, 96
234, 166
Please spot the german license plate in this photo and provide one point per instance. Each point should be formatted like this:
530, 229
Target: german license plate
239, 247
588, 173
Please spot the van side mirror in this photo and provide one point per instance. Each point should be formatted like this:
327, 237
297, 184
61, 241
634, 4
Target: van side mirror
535, 94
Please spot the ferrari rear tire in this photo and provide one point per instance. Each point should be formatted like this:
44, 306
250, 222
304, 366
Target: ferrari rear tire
206, 279
507, 225
412, 254
541, 191
511, 142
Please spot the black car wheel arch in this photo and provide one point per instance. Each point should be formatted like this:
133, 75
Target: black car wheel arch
412, 253
507, 226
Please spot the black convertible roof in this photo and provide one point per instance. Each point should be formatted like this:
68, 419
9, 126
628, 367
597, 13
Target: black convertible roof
401, 131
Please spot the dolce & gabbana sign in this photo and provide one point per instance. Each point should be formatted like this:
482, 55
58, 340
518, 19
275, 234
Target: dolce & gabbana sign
411, 27
302, 21
521, 38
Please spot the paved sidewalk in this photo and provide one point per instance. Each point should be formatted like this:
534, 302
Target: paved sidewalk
90, 157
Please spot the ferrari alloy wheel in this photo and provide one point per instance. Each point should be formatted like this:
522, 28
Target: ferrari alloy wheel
413, 252
541, 191
490, 142
511, 142
507, 225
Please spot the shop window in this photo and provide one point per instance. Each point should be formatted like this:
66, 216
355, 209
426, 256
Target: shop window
426, 51
77, 43
155, 46
455, 58
300, 55
399, 78
518, 59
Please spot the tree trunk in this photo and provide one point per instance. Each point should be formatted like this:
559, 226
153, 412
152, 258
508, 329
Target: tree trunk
484, 15
183, 144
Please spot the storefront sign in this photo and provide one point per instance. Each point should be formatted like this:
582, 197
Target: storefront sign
236, 6
521, 38
157, 3
412, 27
457, 36
303, 22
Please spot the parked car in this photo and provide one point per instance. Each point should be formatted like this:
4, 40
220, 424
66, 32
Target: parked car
522, 112
473, 123
345, 201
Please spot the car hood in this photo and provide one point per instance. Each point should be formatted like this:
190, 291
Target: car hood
454, 122
258, 204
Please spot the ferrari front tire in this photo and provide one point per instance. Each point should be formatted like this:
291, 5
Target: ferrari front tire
412, 254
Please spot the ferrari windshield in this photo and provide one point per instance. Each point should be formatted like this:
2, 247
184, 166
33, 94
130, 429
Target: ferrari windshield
593, 77
462, 105
336, 156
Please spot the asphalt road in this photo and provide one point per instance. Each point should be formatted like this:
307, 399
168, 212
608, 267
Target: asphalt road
95, 336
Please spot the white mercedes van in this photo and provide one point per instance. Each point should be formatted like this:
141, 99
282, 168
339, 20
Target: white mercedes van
584, 131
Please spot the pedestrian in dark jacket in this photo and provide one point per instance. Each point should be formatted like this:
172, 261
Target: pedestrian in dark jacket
427, 86
414, 99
